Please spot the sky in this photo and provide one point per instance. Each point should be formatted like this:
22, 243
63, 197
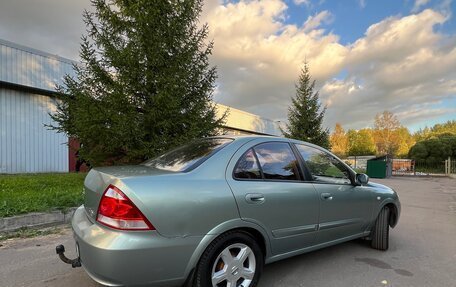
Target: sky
366, 56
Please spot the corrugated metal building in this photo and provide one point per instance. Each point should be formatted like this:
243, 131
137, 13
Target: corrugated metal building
27, 82
239, 122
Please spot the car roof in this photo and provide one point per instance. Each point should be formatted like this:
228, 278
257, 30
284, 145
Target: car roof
236, 137
242, 139
247, 138
265, 137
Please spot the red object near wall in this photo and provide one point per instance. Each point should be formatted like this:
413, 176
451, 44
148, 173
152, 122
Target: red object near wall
73, 147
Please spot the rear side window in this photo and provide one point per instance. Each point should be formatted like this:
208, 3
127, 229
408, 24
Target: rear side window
247, 167
189, 156
272, 160
277, 161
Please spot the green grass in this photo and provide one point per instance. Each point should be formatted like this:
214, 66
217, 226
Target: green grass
39, 192
360, 170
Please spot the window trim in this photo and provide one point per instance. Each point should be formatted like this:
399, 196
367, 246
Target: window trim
256, 161
310, 173
263, 179
306, 174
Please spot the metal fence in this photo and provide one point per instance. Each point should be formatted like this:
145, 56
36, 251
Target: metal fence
422, 167
426, 168
450, 166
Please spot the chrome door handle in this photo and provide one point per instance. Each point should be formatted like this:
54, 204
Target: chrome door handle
254, 198
326, 196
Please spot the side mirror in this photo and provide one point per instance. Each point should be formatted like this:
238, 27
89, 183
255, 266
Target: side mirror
362, 178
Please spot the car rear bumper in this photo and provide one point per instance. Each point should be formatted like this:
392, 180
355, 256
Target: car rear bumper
117, 258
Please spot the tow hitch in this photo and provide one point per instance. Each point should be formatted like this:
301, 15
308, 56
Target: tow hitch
60, 249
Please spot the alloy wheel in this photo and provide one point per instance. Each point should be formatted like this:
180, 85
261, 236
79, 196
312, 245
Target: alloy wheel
234, 267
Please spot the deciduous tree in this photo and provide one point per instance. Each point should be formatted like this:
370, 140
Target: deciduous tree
385, 126
448, 128
361, 142
404, 141
339, 141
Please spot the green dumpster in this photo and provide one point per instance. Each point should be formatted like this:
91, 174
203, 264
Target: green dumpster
379, 167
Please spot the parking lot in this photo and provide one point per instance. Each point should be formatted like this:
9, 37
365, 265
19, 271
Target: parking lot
422, 250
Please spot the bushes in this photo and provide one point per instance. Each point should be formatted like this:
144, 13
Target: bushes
434, 150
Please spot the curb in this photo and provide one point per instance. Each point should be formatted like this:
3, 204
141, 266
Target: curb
35, 220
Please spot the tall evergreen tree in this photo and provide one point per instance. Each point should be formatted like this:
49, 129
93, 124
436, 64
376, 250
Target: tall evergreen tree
305, 115
145, 83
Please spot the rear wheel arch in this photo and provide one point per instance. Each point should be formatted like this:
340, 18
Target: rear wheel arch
258, 236
252, 229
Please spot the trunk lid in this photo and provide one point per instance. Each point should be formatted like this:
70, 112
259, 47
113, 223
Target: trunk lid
98, 179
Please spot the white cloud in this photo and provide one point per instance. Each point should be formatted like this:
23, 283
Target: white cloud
362, 4
418, 4
401, 63
314, 22
445, 7
259, 57
418, 112
403, 66
300, 2
51, 25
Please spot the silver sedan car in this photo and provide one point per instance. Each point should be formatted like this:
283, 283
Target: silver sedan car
214, 211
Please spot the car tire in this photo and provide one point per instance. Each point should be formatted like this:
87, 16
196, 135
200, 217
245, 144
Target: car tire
212, 261
380, 232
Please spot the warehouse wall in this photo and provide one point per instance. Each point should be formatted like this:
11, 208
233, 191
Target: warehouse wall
27, 67
25, 144
27, 78
240, 122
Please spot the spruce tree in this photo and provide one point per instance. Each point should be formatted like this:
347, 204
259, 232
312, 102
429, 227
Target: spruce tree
144, 84
305, 115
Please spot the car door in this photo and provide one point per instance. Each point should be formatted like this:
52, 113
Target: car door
345, 209
267, 183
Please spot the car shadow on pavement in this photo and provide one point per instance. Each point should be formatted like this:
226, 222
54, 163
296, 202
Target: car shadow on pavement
313, 268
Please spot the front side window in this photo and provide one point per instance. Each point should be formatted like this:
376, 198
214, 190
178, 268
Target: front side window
323, 166
277, 161
189, 156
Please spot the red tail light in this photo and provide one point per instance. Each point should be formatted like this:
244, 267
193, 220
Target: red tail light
117, 211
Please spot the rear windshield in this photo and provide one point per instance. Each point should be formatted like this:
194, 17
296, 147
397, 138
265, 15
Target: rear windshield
189, 156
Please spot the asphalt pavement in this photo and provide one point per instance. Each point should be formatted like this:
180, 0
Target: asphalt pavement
422, 251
